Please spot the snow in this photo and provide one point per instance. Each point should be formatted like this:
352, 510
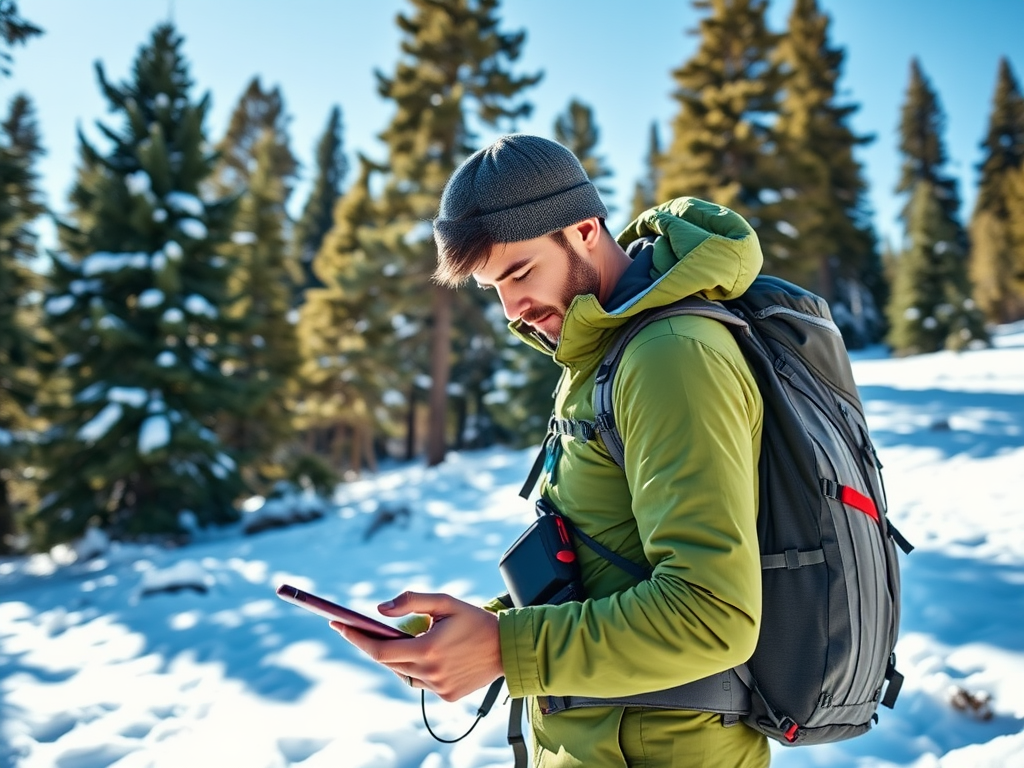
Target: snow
787, 229
138, 655
79, 287
200, 305
92, 393
404, 327
108, 322
58, 305
133, 396
154, 433
193, 228
138, 183
184, 574
393, 398
185, 203
101, 423
151, 297
103, 262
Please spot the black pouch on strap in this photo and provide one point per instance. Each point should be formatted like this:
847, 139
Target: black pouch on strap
541, 568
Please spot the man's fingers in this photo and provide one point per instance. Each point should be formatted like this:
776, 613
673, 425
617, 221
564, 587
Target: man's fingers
381, 651
419, 602
409, 680
461, 653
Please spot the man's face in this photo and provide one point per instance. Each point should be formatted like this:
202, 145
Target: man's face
536, 281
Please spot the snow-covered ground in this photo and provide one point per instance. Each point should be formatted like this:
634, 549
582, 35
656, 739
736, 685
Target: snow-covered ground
185, 658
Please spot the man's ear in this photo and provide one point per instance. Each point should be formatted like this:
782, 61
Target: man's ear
588, 231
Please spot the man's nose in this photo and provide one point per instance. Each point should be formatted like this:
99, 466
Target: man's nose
511, 305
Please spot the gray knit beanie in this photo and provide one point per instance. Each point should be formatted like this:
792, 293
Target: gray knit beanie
518, 188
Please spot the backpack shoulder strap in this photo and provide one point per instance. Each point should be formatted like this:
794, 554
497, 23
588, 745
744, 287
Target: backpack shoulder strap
603, 405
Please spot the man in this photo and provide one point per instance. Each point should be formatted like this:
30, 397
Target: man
521, 218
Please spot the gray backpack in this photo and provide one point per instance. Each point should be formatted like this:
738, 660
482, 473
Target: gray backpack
831, 583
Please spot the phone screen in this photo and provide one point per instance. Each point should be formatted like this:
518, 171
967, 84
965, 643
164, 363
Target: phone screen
335, 612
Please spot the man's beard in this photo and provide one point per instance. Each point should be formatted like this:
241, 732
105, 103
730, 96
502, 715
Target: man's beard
582, 279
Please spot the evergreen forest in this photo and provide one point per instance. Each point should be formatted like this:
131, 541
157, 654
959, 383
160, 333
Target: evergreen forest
188, 343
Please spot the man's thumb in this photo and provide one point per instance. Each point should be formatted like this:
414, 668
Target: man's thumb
417, 602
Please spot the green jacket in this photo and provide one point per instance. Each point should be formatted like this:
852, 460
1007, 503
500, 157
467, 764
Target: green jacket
690, 415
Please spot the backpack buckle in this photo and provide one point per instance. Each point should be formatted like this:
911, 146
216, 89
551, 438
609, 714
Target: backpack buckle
583, 431
790, 730
605, 422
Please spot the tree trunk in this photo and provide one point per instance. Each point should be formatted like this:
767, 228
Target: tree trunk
827, 278
461, 416
440, 364
410, 425
6, 518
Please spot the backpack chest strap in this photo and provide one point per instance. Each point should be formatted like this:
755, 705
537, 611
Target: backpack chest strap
580, 430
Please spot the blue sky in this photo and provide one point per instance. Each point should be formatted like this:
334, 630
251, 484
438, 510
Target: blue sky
615, 56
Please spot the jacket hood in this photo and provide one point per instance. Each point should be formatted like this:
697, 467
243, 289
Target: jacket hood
700, 248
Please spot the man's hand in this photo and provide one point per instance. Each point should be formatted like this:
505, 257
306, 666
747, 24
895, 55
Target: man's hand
457, 655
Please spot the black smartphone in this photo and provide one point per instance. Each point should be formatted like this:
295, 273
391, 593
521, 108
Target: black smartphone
335, 612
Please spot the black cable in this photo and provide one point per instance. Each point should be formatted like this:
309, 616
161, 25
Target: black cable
485, 707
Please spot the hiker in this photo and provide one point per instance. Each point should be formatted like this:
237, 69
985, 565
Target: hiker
521, 217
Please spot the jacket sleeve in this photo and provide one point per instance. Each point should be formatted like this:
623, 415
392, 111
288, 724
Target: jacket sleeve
690, 416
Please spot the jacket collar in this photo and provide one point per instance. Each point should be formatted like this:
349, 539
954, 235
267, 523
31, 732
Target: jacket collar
700, 248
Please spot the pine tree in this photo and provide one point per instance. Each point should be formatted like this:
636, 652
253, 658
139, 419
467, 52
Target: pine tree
454, 66
266, 356
523, 395
646, 189
1015, 220
256, 166
930, 310
257, 114
137, 304
995, 257
317, 215
576, 130
931, 306
20, 206
724, 147
922, 125
826, 204
345, 339
14, 30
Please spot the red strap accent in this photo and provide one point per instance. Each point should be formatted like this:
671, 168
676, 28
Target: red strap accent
791, 733
858, 500
562, 533
564, 555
